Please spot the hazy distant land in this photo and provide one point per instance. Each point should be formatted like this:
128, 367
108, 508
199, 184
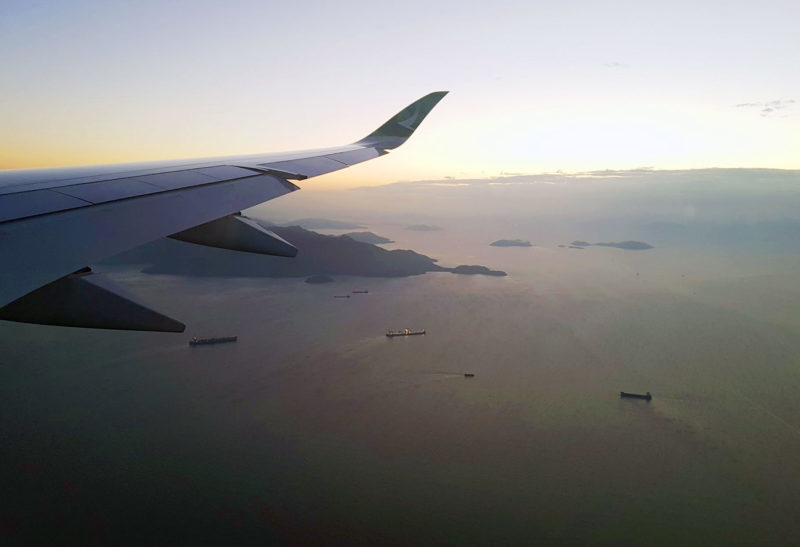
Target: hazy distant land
368, 237
627, 245
324, 224
510, 243
319, 255
423, 228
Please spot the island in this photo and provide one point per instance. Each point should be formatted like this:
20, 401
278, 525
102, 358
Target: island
319, 255
423, 228
627, 245
368, 237
316, 279
475, 270
510, 243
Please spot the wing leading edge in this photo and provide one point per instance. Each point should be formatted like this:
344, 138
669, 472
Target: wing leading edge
54, 222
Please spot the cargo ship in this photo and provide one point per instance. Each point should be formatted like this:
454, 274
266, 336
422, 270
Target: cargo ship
195, 341
404, 332
646, 396
360, 292
341, 296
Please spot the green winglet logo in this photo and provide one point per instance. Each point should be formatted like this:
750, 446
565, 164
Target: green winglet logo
404, 123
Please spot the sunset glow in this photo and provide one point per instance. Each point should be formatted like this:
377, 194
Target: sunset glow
534, 88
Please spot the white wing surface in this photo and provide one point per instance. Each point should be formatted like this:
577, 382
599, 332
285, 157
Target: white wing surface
54, 222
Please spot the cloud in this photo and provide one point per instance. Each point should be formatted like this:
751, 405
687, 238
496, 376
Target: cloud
769, 108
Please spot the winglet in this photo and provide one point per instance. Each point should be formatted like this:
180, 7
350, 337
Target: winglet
395, 132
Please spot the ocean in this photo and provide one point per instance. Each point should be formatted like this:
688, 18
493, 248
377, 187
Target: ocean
316, 428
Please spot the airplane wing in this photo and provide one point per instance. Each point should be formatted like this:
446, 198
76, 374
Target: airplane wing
55, 222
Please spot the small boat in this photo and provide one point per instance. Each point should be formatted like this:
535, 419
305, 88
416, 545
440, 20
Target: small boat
469, 375
625, 395
341, 296
404, 332
360, 292
195, 341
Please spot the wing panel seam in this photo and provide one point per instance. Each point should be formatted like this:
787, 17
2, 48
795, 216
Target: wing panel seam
163, 191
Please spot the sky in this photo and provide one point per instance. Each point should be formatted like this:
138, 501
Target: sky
534, 87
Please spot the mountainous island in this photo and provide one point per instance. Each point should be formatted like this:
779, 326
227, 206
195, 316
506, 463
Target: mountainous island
423, 228
320, 255
510, 243
368, 237
627, 245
